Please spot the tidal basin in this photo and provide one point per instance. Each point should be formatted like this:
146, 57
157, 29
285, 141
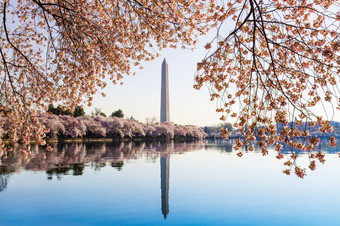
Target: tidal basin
171, 183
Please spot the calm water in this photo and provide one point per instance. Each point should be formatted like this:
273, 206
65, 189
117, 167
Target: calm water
164, 184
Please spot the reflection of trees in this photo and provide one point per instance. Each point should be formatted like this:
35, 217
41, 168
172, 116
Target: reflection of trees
227, 146
118, 165
322, 147
220, 144
71, 158
3, 181
4, 177
76, 169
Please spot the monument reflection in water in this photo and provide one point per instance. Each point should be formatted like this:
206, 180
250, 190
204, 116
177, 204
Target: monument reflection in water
71, 159
165, 165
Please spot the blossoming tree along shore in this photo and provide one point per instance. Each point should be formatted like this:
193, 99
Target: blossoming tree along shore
280, 60
55, 51
66, 126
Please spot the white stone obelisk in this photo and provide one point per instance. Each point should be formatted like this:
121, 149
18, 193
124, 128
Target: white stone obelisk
165, 116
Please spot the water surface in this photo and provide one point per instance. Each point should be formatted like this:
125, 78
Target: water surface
201, 183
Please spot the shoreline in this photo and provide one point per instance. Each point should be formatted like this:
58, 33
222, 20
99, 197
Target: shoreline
108, 140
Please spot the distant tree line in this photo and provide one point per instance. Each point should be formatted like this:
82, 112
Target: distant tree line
60, 110
79, 111
118, 113
216, 129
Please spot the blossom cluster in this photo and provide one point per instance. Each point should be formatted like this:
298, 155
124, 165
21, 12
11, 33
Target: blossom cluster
279, 63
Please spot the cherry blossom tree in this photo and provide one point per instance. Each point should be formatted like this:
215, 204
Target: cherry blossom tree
112, 125
53, 124
164, 130
149, 130
73, 127
180, 131
279, 62
198, 133
54, 51
93, 127
133, 128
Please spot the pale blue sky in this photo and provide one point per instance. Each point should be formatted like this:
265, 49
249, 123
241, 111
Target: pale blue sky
140, 94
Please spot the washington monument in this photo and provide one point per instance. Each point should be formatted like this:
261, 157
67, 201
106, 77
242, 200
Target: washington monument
165, 160
165, 116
